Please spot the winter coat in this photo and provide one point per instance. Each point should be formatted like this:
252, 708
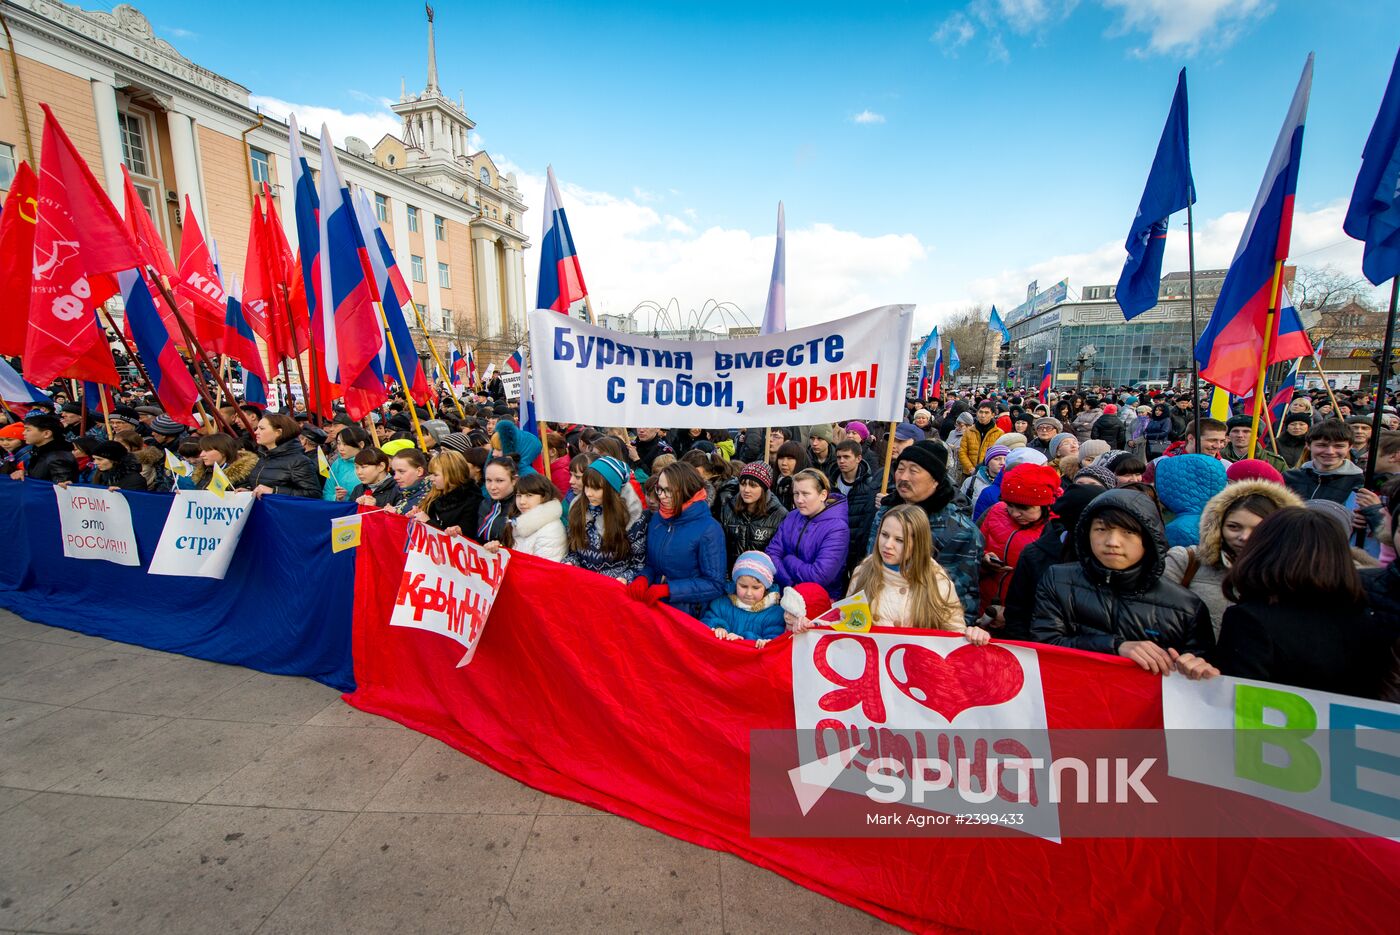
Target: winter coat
649, 451
342, 475
1185, 485
957, 542
762, 621
1383, 594
1053, 547
860, 511
237, 471
686, 552
1110, 428
745, 532
385, 493
456, 507
1331, 649
1211, 560
1006, 540
813, 548
491, 519
53, 462
125, 474
15, 461
593, 558
1083, 424
559, 474
1339, 486
541, 532
1292, 449
287, 470
782, 492
1087, 606
973, 447
972, 488
891, 609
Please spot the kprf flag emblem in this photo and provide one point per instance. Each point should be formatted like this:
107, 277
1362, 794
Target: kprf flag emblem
345, 532
176, 465
218, 481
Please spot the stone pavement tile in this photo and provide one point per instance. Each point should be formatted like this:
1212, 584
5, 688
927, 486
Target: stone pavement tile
340, 714
84, 675
553, 805
760, 902
211, 869
9, 798
22, 656
179, 762
16, 713
406, 873
606, 874
51, 844
19, 628
437, 778
338, 768
269, 699
180, 687
45, 751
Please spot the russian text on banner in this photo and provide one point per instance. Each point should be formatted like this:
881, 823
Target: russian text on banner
449, 584
201, 534
852, 368
96, 524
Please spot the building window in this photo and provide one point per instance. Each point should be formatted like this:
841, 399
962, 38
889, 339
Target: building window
444, 276
422, 310
419, 271
7, 165
134, 149
447, 319
440, 226
262, 170
381, 208
412, 219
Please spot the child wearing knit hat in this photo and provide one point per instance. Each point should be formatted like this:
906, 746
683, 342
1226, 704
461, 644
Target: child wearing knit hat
750, 610
803, 603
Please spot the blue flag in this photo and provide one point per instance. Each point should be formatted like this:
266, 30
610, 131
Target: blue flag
1374, 212
953, 362
1169, 189
996, 324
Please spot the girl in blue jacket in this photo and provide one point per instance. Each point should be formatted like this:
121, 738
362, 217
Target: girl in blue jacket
750, 611
685, 564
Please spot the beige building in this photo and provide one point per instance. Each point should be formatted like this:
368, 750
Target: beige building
127, 97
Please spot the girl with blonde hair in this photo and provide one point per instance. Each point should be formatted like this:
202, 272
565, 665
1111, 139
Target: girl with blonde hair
905, 586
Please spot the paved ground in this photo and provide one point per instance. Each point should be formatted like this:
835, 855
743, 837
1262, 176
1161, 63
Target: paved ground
146, 792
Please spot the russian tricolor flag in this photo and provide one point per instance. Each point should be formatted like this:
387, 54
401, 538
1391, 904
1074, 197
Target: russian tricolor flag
516, 363
928, 345
243, 347
1047, 378
393, 293
561, 286
16, 391
1231, 347
171, 378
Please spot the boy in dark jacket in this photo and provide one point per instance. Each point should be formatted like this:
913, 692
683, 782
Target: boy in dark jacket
51, 456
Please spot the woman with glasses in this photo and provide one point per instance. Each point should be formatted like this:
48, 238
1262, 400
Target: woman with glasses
685, 564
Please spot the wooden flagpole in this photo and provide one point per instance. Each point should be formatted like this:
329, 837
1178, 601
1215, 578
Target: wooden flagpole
403, 376
198, 350
1264, 360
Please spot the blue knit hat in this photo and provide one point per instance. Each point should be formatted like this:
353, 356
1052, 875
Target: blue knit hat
756, 565
996, 451
613, 471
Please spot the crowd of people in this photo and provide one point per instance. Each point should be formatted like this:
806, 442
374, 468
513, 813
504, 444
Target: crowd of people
1114, 521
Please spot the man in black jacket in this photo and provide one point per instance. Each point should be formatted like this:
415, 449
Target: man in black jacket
1110, 427
1054, 547
857, 482
52, 459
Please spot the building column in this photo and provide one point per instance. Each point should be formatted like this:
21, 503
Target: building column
186, 164
488, 289
109, 135
433, 316
515, 298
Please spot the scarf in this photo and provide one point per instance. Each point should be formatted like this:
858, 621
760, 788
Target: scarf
673, 512
413, 494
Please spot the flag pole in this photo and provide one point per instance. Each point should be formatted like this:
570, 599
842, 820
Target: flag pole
403, 377
1317, 362
198, 352
1264, 361
301, 373
437, 359
1389, 346
130, 352
106, 413
889, 456
1195, 367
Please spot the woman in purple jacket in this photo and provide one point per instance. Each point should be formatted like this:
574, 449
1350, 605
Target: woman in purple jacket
811, 544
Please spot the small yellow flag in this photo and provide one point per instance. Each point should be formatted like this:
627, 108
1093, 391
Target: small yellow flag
176, 465
322, 463
345, 532
1220, 404
218, 481
856, 616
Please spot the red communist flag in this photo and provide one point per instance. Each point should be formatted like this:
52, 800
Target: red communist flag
153, 254
79, 241
199, 283
283, 263
17, 258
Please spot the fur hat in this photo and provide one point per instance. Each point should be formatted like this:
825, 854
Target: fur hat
1031, 485
806, 601
1091, 449
1012, 440
112, 451
1047, 420
756, 565
1024, 456
758, 472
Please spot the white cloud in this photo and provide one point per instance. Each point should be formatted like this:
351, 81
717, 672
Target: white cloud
369, 126
179, 32
1187, 26
868, 116
954, 32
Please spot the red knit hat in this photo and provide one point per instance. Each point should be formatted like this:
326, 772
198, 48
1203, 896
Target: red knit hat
1253, 469
806, 600
1004, 422
1030, 485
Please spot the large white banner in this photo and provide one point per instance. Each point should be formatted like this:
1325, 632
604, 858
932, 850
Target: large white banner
96, 524
853, 368
201, 534
449, 584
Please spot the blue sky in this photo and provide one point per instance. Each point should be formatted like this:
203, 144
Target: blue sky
935, 153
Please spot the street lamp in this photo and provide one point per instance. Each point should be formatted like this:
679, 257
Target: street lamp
1085, 361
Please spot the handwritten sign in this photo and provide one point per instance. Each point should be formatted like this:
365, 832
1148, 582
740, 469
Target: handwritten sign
96, 524
201, 534
449, 584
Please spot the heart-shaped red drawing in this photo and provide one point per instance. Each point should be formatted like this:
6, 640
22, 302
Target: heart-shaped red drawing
968, 677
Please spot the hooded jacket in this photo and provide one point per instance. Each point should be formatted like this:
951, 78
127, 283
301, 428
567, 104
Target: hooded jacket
973, 447
861, 502
1339, 485
1055, 545
762, 621
1087, 606
1185, 485
813, 548
592, 556
237, 471
1211, 561
53, 462
957, 542
541, 532
287, 470
1084, 423
1110, 428
342, 475
524, 446
456, 507
746, 531
686, 552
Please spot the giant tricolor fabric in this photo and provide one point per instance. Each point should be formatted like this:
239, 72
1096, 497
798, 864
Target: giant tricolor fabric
1047, 377
561, 285
1232, 344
